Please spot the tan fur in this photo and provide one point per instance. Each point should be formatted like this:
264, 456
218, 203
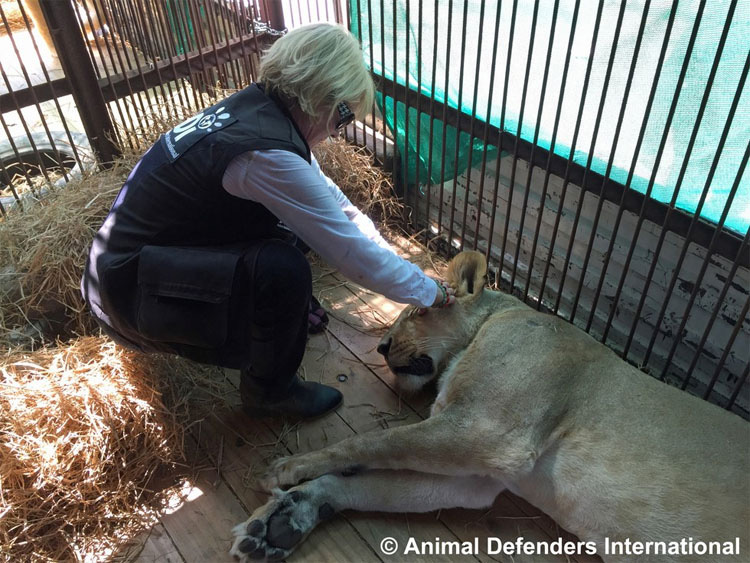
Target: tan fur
538, 406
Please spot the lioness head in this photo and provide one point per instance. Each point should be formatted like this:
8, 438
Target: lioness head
421, 342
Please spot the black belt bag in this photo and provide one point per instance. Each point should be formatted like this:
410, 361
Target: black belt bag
184, 295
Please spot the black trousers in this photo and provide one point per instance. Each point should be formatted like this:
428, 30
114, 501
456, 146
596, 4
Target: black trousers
243, 308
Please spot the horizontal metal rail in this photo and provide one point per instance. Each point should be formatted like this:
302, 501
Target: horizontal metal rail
133, 81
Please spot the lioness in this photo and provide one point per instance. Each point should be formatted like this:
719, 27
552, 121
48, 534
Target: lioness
530, 403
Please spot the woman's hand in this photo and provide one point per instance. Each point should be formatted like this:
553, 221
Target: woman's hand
445, 295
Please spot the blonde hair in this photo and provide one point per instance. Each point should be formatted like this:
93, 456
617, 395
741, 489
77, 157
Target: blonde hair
319, 66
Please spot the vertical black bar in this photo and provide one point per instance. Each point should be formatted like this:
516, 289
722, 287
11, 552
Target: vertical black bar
714, 314
473, 119
61, 22
370, 38
564, 190
127, 22
579, 206
359, 34
14, 148
395, 95
592, 150
719, 226
163, 19
382, 70
738, 387
655, 168
444, 120
530, 172
405, 177
672, 203
221, 15
631, 173
553, 143
417, 160
109, 80
248, 74
187, 48
47, 78
372, 69
152, 31
144, 21
202, 41
276, 14
213, 38
471, 141
496, 183
225, 14
458, 122
486, 134
159, 40
431, 112
252, 17
514, 162
87, 44
27, 78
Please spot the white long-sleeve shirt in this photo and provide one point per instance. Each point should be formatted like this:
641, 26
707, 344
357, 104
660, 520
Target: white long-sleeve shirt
316, 210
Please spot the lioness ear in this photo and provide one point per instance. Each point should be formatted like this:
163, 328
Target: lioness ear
467, 272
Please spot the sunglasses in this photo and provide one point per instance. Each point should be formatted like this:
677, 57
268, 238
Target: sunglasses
346, 116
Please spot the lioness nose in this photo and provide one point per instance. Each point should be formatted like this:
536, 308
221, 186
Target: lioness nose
384, 346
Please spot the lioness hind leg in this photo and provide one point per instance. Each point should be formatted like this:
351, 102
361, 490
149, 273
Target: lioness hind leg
277, 528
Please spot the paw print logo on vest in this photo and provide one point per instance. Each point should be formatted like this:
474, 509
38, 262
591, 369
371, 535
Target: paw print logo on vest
207, 121
192, 130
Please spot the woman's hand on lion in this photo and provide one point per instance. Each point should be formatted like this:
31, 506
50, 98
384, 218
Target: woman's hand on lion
445, 296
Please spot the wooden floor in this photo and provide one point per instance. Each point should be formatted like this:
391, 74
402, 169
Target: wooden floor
237, 449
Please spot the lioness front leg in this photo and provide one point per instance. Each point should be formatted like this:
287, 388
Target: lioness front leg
277, 528
435, 445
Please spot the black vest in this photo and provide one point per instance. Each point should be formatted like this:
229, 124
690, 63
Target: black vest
174, 196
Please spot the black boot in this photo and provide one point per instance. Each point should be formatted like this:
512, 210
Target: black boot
301, 399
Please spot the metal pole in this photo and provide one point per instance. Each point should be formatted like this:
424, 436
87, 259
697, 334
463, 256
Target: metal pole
79, 70
276, 15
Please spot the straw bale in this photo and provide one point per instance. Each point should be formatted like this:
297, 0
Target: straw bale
43, 246
91, 450
366, 185
13, 17
43, 251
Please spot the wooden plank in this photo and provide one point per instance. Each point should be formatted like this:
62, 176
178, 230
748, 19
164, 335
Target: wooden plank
195, 528
152, 547
248, 447
201, 527
361, 331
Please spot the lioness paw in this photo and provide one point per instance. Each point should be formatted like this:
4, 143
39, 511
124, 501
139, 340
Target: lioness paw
285, 472
275, 529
